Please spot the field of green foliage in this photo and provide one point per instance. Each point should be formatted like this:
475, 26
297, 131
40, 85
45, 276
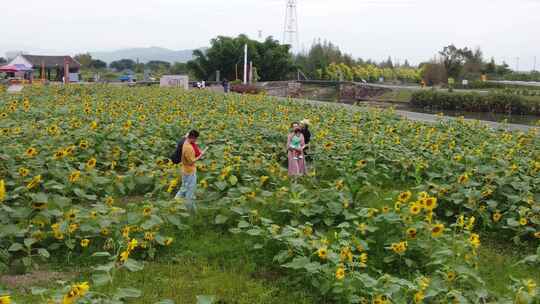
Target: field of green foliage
392, 211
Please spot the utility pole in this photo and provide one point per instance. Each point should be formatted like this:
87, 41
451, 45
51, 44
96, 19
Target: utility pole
517, 64
245, 63
534, 65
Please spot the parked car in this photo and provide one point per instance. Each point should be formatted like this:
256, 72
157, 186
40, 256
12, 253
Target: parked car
127, 78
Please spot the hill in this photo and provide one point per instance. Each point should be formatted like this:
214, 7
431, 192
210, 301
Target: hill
145, 54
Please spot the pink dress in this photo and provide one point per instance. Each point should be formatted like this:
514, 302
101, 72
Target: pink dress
297, 167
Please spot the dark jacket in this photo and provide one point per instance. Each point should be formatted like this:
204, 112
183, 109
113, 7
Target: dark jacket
307, 135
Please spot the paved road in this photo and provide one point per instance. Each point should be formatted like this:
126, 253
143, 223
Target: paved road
422, 117
418, 88
522, 83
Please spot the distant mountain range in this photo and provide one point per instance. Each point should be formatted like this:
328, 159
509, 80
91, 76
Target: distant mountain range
145, 54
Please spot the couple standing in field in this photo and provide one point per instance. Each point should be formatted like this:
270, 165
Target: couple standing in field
189, 152
297, 146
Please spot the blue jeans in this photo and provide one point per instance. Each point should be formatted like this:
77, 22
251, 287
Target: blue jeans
187, 191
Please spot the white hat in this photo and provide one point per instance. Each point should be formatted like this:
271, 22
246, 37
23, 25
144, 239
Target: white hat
305, 122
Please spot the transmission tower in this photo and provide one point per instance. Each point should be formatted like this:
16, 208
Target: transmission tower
290, 32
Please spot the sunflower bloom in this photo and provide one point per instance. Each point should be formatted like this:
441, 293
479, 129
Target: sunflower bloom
340, 273
85, 243
531, 287
31, 152
399, 248
415, 209
322, 253
34, 182
149, 236
451, 276
497, 216
419, 297
23, 172
263, 179
91, 163
74, 176
361, 164
132, 245
404, 196
168, 241
474, 240
2, 190
411, 233
437, 230
124, 256
5, 299
463, 179
430, 203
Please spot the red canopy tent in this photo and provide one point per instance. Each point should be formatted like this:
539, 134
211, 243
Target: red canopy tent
8, 69
14, 68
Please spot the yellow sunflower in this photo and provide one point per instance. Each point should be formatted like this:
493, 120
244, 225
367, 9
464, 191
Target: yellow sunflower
74, 176
340, 273
463, 179
411, 233
85, 243
31, 152
404, 196
437, 230
23, 172
415, 209
430, 203
91, 163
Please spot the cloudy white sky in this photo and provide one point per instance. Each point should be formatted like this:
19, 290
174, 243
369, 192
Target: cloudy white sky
412, 29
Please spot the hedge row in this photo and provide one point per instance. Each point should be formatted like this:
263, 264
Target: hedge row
474, 102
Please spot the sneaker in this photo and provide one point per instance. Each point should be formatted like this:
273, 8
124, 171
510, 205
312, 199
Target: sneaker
300, 157
295, 158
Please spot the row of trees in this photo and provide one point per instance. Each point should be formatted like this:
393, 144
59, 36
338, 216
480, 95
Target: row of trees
326, 61
156, 66
461, 63
368, 72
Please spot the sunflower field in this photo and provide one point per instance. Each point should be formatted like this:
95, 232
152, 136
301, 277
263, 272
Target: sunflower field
392, 211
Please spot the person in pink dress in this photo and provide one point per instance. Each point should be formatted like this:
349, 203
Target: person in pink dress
297, 165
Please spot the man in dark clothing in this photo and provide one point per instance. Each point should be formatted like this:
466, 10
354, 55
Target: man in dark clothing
225, 84
307, 137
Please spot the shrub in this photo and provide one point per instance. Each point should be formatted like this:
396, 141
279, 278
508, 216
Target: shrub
474, 102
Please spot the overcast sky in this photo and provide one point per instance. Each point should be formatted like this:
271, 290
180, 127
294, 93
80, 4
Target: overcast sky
412, 29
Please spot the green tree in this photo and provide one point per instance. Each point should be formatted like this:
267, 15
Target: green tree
454, 59
123, 64
84, 59
320, 56
491, 67
98, 64
272, 60
388, 63
179, 68
2, 60
158, 66
503, 69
